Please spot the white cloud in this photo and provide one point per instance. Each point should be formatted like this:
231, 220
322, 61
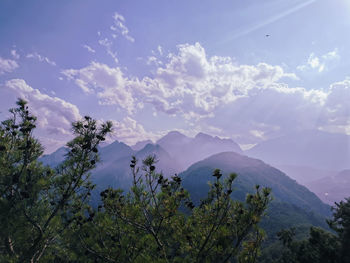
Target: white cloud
14, 54
41, 58
319, 63
90, 49
257, 133
331, 55
7, 65
152, 60
54, 114
109, 84
194, 84
337, 108
119, 27
249, 103
160, 50
130, 132
280, 109
189, 83
270, 112
107, 44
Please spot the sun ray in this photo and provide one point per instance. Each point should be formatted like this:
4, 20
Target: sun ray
270, 20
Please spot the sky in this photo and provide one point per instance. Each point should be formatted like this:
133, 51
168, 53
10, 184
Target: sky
249, 70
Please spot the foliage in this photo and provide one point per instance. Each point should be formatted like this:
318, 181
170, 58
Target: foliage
321, 246
157, 222
341, 225
39, 204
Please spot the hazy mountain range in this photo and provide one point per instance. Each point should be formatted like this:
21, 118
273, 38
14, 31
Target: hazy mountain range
190, 150
195, 159
333, 188
175, 152
312, 158
312, 148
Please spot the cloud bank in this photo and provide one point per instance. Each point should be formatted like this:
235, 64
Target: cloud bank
189, 83
247, 102
56, 115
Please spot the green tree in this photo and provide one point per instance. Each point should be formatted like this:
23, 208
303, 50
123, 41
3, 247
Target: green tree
157, 222
341, 225
321, 246
39, 204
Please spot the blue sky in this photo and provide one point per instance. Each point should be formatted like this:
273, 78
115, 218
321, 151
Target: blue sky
193, 66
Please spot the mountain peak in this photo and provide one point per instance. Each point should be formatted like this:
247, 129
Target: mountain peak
54, 158
172, 137
115, 151
175, 134
250, 172
116, 144
202, 136
150, 146
141, 144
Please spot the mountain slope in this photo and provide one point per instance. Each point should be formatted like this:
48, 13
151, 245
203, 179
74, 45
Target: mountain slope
54, 158
293, 205
118, 174
140, 145
115, 151
165, 163
251, 172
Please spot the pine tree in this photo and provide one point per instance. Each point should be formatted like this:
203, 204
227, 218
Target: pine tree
157, 222
39, 204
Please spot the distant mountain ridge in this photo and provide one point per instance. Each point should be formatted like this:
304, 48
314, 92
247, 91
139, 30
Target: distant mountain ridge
311, 148
293, 203
54, 158
115, 151
188, 150
332, 189
141, 144
312, 158
305, 174
304, 156
174, 152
